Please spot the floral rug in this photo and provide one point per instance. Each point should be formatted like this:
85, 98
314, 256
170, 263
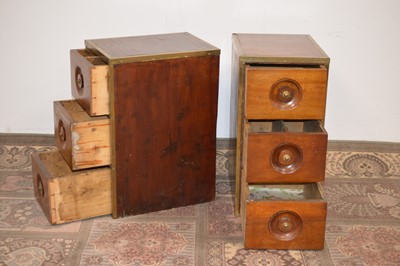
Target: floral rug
362, 189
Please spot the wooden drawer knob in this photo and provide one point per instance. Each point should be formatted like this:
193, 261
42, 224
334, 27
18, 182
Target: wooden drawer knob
62, 136
39, 184
286, 158
79, 82
285, 225
285, 94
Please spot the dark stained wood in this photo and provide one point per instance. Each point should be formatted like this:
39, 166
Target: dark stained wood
260, 103
279, 50
165, 115
311, 235
276, 46
150, 47
280, 84
304, 147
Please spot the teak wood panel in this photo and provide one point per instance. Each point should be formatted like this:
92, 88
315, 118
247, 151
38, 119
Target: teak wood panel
259, 96
67, 196
302, 203
264, 152
165, 133
258, 234
83, 141
91, 91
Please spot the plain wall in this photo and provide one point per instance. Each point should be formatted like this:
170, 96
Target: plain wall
362, 39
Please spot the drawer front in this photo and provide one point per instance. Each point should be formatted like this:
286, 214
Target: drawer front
83, 141
285, 224
89, 82
285, 157
285, 92
67, 196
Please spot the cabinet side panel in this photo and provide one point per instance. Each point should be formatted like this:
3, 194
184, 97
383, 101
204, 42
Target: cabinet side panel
237, 87
165, 115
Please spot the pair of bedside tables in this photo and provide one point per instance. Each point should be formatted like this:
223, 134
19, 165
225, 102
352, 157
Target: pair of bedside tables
140, 135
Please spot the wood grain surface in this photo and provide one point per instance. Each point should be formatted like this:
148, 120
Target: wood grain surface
164, 115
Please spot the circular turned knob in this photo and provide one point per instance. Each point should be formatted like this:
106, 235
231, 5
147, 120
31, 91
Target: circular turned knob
285, 225
40, 188
285, 94
79, 82
286, 158
62, 136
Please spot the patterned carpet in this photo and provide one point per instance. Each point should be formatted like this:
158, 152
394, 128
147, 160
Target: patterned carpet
362, 189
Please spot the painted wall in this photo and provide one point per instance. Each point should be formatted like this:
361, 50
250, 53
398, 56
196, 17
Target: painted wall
361, 37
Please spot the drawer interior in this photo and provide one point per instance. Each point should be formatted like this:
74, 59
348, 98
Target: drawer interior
308, 126
92, 58
284, 192
292, 66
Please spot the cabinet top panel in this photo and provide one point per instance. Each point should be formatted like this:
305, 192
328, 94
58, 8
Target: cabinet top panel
278, 48
150, 47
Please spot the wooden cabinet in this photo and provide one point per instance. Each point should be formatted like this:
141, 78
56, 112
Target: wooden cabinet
279, 88
145, 114
163, 112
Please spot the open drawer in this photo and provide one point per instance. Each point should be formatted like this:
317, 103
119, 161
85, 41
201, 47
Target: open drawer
82, 140
67, 196
285, 92
89, 82
285, 151
284, 216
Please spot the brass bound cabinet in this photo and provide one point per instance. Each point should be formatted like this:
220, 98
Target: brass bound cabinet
139, 135
279, 88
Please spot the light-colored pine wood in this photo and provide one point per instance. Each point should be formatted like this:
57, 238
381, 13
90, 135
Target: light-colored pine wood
260, 80
94, 96
67, 196
99, 104
83, 141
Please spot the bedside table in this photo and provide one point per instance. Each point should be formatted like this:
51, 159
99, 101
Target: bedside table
279, 86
